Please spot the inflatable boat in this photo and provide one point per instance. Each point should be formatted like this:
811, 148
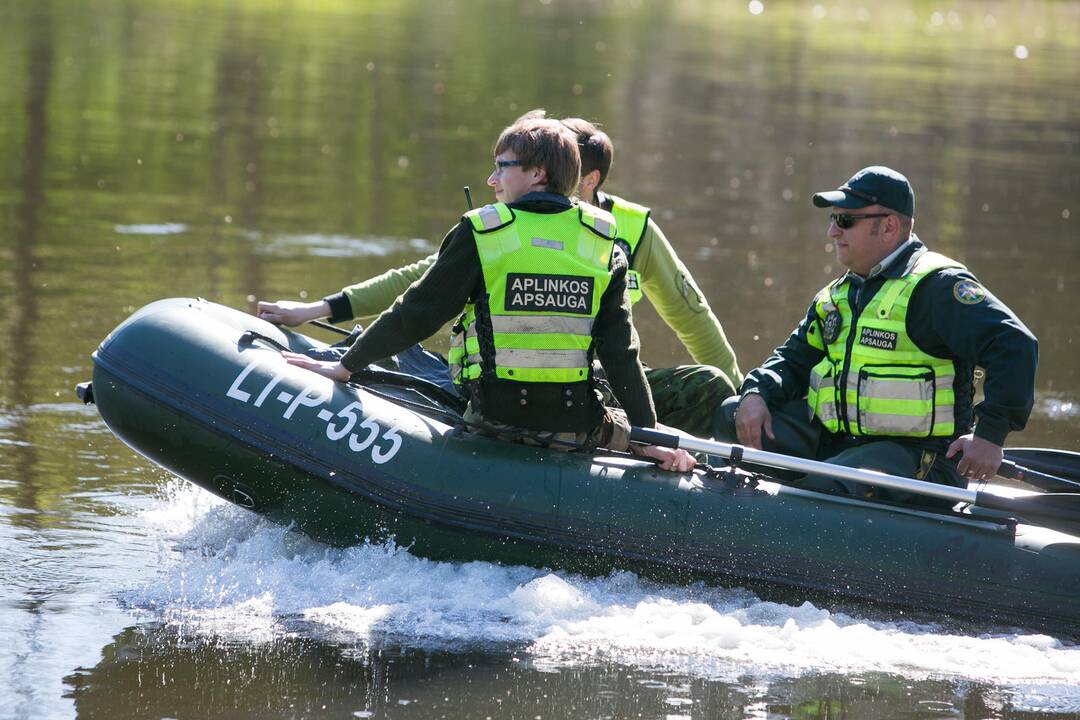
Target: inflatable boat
202, 390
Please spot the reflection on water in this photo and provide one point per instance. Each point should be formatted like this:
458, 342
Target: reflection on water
274, 149
343, 246
150, 671
151, 229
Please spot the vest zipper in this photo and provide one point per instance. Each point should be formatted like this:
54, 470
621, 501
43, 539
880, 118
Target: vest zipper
856, 312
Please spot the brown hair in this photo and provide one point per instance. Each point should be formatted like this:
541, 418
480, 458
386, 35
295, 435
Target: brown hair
595, 147
547, 144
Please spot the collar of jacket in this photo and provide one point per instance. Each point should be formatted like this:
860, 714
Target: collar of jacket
897, 267
542, 202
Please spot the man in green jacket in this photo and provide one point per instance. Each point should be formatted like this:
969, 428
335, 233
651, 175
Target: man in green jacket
880, 372
686, 396
539, 287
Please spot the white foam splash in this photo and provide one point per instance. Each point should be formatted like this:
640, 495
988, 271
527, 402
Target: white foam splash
235, 575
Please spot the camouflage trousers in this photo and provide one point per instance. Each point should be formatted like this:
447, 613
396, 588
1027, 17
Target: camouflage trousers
688, 397
611, 433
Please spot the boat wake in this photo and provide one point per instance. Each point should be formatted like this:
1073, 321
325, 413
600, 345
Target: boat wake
233, 576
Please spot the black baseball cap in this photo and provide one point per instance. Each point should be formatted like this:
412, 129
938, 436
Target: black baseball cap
874, 185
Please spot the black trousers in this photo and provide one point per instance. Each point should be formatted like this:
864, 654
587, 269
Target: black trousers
800, 435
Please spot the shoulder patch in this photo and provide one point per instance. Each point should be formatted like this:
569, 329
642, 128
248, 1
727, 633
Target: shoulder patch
830, 326
968, 292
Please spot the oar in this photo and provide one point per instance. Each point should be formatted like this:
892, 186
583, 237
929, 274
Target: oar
1041, 480
1064, 464
1057, 511
331, 328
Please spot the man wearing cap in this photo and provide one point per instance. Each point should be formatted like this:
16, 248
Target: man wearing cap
880, 372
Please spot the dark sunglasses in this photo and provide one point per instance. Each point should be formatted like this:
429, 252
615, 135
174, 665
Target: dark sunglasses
845, 221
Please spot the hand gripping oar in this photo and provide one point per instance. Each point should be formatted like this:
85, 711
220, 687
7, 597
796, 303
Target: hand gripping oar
1056, 511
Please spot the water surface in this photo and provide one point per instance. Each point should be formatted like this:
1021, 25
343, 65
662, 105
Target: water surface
243, 150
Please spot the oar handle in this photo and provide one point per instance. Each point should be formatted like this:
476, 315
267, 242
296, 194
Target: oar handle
1009, 469
649, 436
331, 328
1044, 481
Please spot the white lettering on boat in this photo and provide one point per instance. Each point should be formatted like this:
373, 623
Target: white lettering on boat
339, 425
234, 390
313, 395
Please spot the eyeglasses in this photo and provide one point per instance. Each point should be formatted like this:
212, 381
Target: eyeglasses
501, 165
845, 221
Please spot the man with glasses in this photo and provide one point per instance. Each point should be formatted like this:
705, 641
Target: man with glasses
880, 372
686, 396
539, 287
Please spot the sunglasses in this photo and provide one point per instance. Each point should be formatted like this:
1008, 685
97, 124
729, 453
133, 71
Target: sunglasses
845, 221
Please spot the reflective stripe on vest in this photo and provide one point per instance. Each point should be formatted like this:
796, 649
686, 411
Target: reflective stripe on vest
540, 359
464, 355
511, 324
632, 220
890, 386
544, 275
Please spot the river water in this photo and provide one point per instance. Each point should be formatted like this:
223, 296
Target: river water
275, 149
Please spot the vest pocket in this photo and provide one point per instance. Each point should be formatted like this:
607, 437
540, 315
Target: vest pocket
895, 400
821, 394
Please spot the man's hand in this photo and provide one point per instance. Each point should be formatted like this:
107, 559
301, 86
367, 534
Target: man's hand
750, 417
675, 460
290, 312
332, 369
980, 458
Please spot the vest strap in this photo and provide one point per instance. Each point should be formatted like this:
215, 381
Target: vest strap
599, 221
490, 217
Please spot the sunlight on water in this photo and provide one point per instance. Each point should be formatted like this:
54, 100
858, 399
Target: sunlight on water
159, 229
236, 577
343, 246
1058, 408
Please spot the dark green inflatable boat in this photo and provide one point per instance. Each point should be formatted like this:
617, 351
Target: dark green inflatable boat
202, 390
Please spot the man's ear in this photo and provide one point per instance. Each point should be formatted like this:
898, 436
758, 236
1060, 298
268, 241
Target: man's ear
588, 183
539, 176
895, 225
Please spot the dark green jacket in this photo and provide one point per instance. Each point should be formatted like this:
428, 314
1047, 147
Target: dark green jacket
457, 277
986, 334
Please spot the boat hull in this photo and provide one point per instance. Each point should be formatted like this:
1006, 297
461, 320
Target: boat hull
182, 384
